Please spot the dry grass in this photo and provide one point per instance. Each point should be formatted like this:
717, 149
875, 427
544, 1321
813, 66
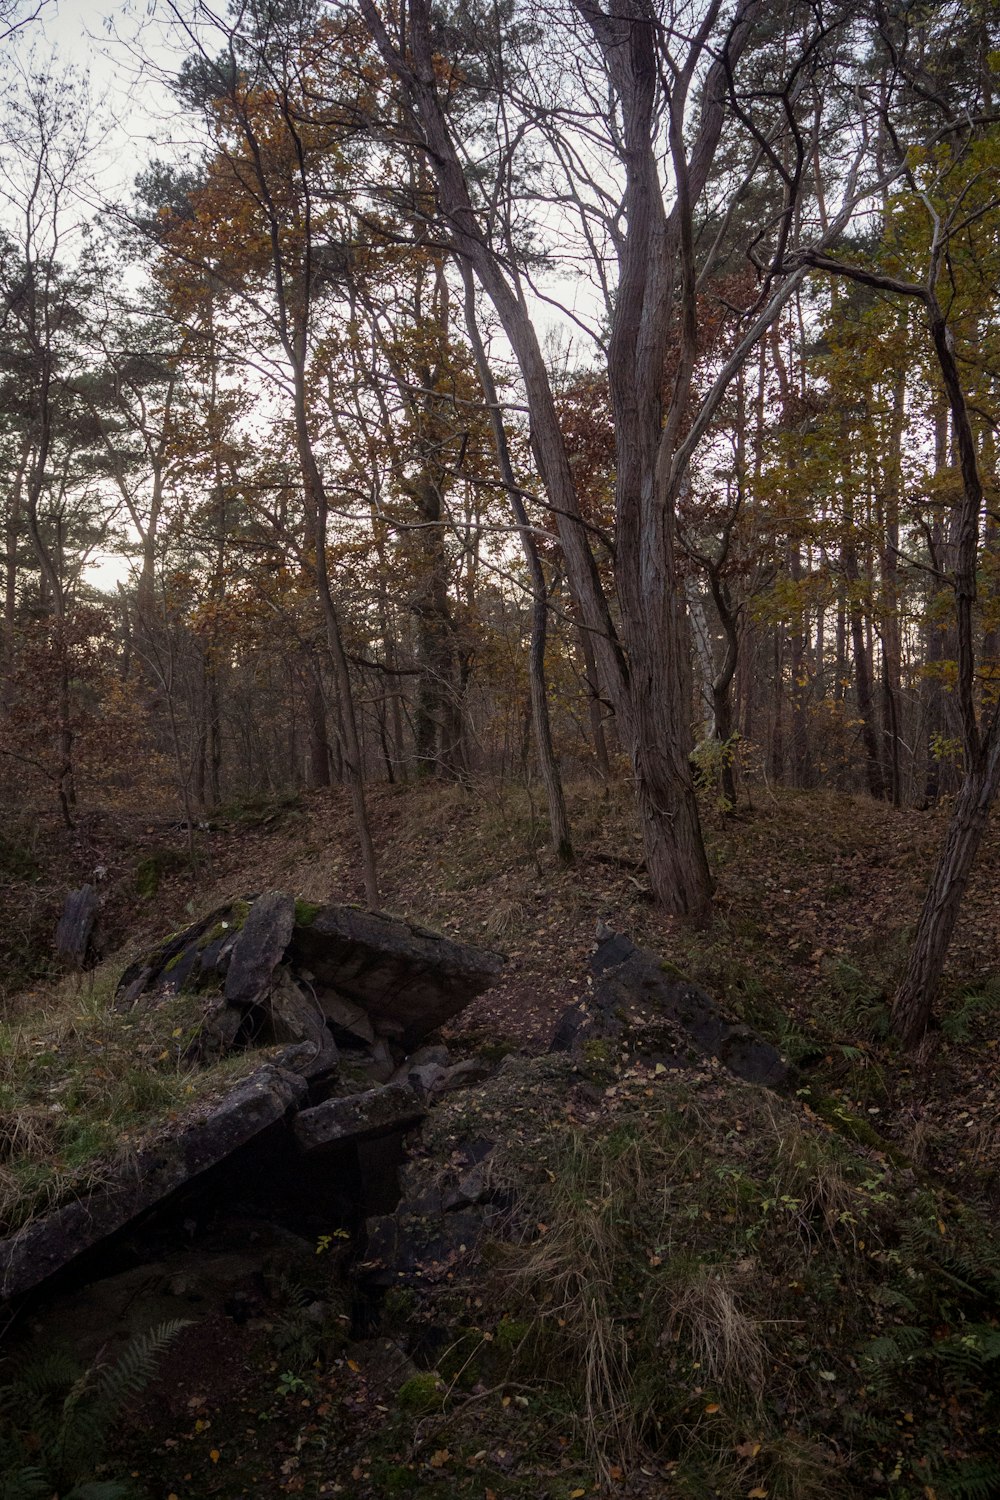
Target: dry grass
708, 1311
83, 1086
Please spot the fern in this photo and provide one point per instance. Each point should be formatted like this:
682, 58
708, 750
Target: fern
970, 1479
63, 1414
24, 1483
898, 1347
134, 1369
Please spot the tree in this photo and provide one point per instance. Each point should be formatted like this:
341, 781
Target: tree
640, 173
947, 226
259, 187
46, 150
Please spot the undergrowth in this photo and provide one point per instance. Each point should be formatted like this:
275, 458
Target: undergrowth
56, 1419
719, 1283
82, 1083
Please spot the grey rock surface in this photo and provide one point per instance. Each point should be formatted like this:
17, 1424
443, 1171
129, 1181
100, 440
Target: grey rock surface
44, 1246
407, 979
296, 1019
259, 948
354, 1117
664, 1017
76, 925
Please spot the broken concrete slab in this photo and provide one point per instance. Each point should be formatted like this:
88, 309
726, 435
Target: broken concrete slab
347, 1016
296, 1019
358, 1117
668, 1019
75, 931
47, 1244
194, 959
407, 979
374, 977
259, 948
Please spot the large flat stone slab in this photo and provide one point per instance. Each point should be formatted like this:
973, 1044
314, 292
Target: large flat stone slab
47, 1244
359, 1117
259, 948
407, 979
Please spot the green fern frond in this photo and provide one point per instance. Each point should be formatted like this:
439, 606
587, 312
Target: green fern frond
40, 1376
896, 1347
970, 1479
25, 1483
63, 1415
136, 1367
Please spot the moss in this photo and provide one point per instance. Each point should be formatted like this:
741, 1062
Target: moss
150, 871
674, 972
510, 1333
855, 1127
306, 912
238, 913
597, 1050
494, 1052
422, 1394
213, 934
597, 1060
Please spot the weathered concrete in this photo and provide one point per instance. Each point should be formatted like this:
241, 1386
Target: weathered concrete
47, 1244
407, 979
356, 1117
259, 948
664, 1017
76, 925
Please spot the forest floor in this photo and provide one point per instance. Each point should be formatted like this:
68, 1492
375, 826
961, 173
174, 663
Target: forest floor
816, 896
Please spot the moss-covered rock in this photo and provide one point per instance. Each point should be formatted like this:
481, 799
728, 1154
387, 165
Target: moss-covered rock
422, 1394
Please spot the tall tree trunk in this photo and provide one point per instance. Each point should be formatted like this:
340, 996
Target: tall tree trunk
595, 706
318, 742
704, 665
559, 830
798, 651
859, 644
776, 746
889, 626
912, 1006
642, 672
935, 632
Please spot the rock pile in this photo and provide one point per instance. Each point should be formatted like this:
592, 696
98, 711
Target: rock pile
347, 990
341, 998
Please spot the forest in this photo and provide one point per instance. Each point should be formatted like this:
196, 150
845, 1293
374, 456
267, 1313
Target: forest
727, 517
527, 467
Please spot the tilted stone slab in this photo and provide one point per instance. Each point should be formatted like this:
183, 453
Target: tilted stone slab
259, 948
191, 959
635, 998
358, 1117
76, 925
46, 1245
409, 980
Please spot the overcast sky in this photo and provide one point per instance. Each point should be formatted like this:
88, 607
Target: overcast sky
108, 42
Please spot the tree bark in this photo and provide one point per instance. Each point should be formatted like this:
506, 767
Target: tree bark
643, 672
913, 1003
559, 830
